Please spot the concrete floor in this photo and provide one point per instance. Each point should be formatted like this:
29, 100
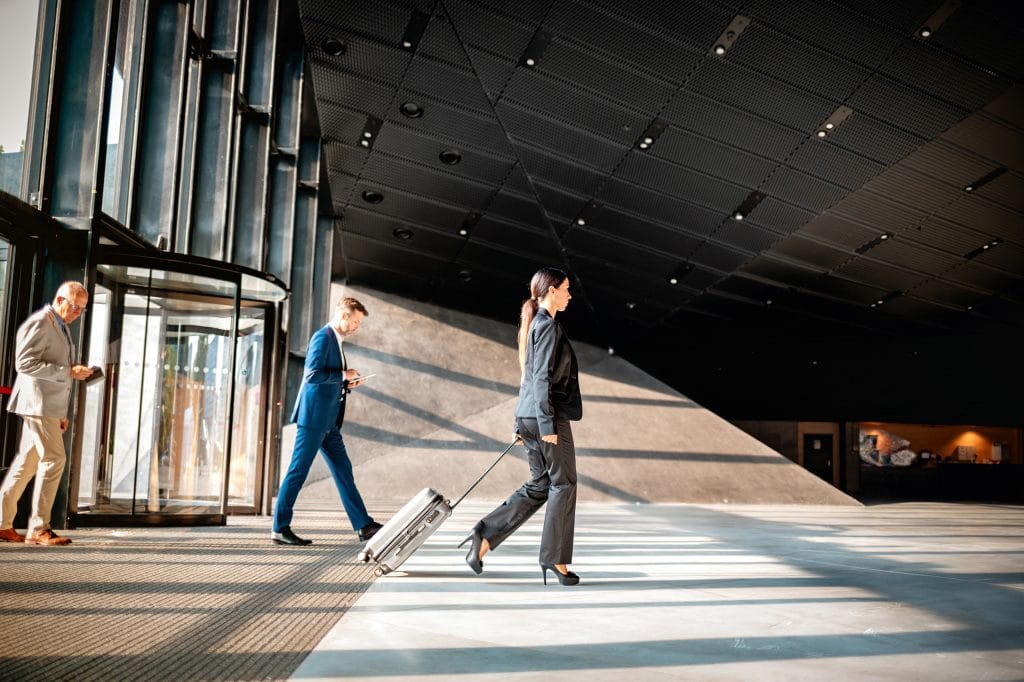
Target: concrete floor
914, 591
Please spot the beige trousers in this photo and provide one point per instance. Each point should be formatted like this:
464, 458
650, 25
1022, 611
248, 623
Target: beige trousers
41, 454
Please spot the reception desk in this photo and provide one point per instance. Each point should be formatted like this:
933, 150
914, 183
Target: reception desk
947, 481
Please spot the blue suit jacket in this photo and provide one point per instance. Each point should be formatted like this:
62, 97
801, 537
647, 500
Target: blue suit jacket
321, 401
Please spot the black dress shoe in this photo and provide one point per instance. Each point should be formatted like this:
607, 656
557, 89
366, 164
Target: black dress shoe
369, 530
286, 537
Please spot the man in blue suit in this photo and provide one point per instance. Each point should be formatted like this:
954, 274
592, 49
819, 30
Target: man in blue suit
319, 413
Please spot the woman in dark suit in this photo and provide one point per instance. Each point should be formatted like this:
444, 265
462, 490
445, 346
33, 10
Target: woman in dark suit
549, 398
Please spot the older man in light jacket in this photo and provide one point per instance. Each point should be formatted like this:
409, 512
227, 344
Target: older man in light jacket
44, 360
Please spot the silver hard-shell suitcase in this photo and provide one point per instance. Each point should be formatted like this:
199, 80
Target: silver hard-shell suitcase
407, 530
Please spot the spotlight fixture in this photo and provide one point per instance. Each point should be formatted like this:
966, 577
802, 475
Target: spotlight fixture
681, 271
535, 50
729, 36
411, 110
652, 133
885, 299
630, 305
333, 47
937, 19
983, 248
867, 246
832, 122
468, 223
744, 209
370, 131
414, 30
450, 157
588, 212
402, 233
372, 196
984, 179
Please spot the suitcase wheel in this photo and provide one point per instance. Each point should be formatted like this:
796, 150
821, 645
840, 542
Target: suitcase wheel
378, 572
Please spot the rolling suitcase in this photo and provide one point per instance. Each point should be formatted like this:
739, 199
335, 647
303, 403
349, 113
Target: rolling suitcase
412, 525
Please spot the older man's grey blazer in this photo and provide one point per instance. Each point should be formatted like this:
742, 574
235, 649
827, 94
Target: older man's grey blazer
43, 359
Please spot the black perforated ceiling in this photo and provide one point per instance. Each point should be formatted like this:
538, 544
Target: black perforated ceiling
540, 142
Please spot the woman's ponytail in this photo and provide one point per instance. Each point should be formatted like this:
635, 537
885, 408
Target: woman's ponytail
542, 281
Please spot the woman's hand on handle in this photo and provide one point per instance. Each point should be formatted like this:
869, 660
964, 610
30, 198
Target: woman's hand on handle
553, 439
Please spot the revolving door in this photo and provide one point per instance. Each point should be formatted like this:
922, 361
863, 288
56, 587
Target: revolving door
175, 430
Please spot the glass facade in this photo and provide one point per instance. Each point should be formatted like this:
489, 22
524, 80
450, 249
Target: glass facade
17, 35
183, 210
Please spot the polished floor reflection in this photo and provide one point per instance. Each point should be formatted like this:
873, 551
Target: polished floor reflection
670, 592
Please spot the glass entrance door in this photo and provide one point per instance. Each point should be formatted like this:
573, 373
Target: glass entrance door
156, 432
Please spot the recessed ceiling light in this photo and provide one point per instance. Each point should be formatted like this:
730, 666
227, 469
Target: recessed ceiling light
970, 307
463, 232
367, 133
333, 47
822, 133
631, 305
648, 140
403, 233
737, 216
644, 145
465, 275
926, 32
883, 237
372, 197
768, 302
530, 61
365, 143
406, 44
673, 280
830, 126
450, 157
719, 49
581, 221
969, 188
411, 110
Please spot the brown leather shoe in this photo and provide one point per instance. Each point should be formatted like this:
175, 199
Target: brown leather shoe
11, 535
46, 537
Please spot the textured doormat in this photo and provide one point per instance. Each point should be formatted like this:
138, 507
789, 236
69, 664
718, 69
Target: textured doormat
175, 603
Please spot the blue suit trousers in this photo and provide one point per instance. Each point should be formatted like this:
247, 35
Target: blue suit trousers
307, 442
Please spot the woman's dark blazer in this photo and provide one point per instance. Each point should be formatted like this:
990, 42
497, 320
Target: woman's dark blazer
550, 389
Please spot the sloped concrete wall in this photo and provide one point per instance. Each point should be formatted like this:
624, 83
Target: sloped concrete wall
440, 410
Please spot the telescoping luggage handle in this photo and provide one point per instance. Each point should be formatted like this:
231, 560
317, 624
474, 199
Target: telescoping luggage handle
511, 445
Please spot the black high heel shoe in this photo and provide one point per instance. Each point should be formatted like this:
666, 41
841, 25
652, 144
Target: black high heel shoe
568, 578
473, 556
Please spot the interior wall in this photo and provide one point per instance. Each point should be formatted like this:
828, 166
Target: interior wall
943, 440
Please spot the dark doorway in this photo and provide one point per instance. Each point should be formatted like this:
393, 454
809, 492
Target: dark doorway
818, 455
